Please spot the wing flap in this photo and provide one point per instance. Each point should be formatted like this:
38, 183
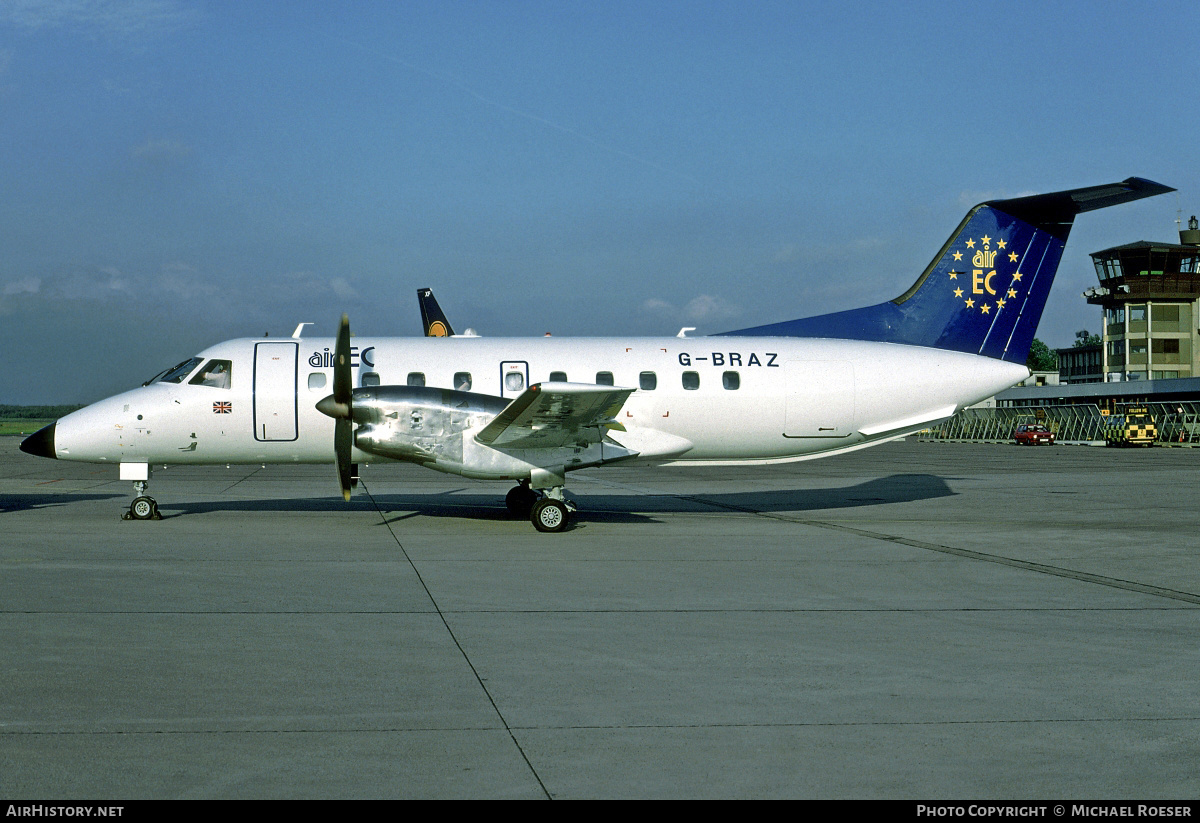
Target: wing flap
550, 415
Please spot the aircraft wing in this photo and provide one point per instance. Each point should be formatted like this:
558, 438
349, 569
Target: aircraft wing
549, 415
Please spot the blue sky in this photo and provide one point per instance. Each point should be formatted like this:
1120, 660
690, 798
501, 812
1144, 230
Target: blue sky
178, 172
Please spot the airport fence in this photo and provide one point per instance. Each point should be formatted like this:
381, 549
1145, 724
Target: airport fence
1178, 423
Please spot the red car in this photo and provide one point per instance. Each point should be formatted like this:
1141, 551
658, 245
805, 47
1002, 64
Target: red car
1033, 434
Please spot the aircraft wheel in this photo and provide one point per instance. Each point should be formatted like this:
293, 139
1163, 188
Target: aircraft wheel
144, 508
549, 515
520, 500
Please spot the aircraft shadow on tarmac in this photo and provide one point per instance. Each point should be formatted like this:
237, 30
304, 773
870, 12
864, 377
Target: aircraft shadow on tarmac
10, 503
602, 507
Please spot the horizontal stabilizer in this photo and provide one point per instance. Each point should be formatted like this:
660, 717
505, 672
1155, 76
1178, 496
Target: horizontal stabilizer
1049, 210
985, 290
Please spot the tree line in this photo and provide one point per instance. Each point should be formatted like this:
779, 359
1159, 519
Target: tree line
35, 412
1042, 357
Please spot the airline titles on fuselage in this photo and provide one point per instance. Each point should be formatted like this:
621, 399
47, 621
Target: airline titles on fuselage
325, 360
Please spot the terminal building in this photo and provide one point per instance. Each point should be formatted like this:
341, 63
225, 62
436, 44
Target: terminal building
1081, 364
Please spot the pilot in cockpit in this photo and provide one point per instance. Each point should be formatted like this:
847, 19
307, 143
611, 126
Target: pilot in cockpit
215, 375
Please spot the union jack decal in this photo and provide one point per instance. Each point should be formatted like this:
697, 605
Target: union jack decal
222, 407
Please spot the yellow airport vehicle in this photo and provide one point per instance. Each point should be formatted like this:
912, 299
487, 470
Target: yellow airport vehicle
1135, 427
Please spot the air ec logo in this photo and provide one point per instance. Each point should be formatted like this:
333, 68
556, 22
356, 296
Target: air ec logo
325, 359
988, 289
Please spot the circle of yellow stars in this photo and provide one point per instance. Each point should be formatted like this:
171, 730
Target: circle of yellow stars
984, 307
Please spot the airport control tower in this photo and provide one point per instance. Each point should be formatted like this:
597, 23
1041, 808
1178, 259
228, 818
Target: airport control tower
1150, 296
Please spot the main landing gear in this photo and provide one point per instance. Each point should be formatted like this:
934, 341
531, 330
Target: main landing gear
549, 510
550, 515
143, 507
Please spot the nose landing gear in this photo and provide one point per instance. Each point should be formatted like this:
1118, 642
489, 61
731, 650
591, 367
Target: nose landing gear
143, 507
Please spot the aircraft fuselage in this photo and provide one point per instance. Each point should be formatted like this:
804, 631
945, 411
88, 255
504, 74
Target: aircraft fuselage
756, 399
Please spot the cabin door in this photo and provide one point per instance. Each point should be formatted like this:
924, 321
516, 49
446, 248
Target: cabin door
275, 391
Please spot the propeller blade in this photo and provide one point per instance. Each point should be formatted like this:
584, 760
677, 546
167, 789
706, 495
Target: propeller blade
341, 409
342, 382
342, 440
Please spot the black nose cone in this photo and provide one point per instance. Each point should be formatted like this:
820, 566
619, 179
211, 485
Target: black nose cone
40, 443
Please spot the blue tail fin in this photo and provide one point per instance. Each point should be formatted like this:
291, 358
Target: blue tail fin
985, 291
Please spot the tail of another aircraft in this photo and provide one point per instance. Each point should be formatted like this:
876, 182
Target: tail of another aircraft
985, 290
433, 320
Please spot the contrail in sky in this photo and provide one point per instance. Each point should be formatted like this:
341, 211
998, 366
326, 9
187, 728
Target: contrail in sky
487, 101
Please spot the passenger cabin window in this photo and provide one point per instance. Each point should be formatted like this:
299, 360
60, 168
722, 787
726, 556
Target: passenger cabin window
316, 380
731, 380
416, 378
558, 377
369, 378
691, 380
462, 381
181, 371
514, 381
604, 378
648, 381
215, 373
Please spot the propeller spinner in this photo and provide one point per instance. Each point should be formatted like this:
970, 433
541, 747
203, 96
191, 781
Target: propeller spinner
340, 406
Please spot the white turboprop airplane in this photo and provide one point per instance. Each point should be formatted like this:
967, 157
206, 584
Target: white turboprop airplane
531, 410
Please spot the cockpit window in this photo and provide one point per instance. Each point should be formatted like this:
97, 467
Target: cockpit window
216, 373
181, 371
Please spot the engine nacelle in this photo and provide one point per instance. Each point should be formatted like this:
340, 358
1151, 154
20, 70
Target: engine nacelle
436, 428
420, 424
